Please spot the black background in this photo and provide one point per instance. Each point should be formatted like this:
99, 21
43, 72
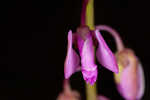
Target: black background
33, 42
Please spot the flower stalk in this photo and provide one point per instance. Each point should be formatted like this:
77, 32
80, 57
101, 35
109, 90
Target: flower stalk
89, 21
90, 14
130, 81
114, 33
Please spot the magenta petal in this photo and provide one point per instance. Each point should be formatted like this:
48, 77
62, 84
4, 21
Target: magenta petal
80, 42
141, 82
87, 53
128, 83
132, 83
104, 54
72, 59
89, 69
90, 76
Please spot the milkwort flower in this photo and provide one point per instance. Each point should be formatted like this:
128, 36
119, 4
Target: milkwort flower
130, 80
86, 40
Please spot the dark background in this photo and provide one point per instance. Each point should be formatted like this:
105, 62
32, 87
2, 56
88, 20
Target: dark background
33, 42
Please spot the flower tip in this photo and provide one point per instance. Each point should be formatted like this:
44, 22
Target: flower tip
66, 75
90, 79
69, 34
90, 82
97, 32
116, 70
70, 31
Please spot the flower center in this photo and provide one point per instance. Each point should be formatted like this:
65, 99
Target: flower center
83, 31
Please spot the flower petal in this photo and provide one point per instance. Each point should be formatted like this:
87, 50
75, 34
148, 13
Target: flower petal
89, 69
128, 83
101, 97
87, 53
72, 59
141, 82
104, 54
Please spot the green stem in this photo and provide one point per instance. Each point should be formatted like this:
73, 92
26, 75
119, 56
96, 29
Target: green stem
91, 93
90, 14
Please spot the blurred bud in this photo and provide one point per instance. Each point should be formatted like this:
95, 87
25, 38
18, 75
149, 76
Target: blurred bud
68, 93
101, 97
130, 80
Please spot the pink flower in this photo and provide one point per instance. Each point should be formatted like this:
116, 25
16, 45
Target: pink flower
130, 80
84, 41
68, 93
